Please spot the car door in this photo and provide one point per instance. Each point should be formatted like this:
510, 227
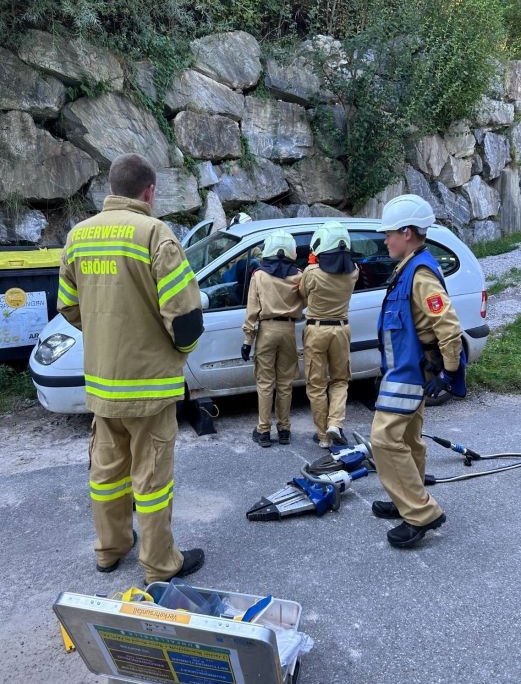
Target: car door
216, 363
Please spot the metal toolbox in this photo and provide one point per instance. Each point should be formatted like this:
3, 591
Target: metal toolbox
143, 643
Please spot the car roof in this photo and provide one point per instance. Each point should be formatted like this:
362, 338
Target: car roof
242, 230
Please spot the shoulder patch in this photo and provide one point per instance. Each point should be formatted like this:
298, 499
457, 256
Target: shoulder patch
435, 303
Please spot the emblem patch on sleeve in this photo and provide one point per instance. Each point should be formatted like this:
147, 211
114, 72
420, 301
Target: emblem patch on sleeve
435, 304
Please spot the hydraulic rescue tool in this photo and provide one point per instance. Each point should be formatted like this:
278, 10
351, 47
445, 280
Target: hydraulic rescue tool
321, 485
325, 479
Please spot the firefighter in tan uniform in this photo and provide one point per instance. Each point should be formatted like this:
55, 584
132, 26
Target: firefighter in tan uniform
327, 287
422, 354
274, 305
126, 283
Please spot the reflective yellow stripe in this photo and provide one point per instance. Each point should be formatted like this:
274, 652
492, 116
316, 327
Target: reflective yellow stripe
67, 294
110, 490
188, 349
148, 388
174, 282
115, 248
154, 501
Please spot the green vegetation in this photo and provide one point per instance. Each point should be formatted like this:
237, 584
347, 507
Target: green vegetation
499, 367
16, 387
499, 246
509, 279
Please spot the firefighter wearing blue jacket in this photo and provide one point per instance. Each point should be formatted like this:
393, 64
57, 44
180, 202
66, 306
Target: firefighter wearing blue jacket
420, 341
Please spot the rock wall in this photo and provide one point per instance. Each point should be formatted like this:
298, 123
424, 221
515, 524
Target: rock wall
247, 135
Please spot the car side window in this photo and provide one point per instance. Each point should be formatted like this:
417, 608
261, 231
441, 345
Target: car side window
448, 261
372, 258
227, 287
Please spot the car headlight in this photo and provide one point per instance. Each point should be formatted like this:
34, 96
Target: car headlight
53, 347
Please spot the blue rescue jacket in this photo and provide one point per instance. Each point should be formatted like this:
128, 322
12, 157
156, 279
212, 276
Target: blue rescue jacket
401, 389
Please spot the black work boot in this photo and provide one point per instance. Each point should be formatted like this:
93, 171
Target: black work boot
385, 509
284, 437
193, 560
407, 535
262, 438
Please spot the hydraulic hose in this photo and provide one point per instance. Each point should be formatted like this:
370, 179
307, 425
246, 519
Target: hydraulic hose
470, 456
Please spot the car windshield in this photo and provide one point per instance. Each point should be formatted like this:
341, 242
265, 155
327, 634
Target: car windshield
208, 249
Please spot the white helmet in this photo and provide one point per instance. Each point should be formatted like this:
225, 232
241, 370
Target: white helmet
241, 217
331, 235
407, 210
277, 241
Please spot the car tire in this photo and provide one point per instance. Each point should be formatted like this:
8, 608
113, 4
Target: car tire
442, 398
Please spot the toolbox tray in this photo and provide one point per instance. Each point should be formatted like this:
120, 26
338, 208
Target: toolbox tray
143, 643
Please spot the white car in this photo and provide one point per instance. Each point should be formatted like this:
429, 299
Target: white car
223, 262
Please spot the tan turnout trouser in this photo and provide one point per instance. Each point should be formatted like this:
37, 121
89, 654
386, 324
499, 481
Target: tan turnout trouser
399, 454
276, 367
328, 371
133, 459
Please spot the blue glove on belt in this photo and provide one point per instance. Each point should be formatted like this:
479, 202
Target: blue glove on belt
442, 381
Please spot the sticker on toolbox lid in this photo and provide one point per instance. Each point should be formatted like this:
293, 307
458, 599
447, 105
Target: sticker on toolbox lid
23, 315
161, 659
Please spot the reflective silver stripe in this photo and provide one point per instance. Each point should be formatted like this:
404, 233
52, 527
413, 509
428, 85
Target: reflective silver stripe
388, 349
390, 387
386, 402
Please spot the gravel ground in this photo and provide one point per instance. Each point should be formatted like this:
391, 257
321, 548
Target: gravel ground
505, 307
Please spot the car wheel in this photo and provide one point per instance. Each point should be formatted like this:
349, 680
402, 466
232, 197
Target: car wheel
442, 398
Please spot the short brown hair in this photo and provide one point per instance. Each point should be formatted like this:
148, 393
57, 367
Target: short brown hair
130, 175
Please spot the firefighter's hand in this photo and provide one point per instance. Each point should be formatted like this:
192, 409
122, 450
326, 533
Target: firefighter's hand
442, 381
245, 352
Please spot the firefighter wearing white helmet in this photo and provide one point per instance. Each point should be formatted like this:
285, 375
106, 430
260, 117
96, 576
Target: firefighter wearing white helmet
420, 341
274, 305
326, 286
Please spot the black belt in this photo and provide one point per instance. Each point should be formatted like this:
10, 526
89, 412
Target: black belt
314, 321
286, 319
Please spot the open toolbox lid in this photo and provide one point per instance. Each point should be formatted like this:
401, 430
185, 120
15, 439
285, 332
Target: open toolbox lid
143, 643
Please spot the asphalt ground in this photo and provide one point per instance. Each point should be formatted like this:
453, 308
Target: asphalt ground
445, 612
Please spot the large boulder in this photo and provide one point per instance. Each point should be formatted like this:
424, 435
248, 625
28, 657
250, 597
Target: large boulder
373, 207
195, 91
144, 75
261, 211
212, 208
455, 209
206, 175
74, 62
510, 210
459, 140
294, 82
418, 185
329, 129
515, 138
484, 231
316, 179
35, 165
513, 80
22, 87
276, 130
456, 172
231, 58
484, 199
429, 154
319, 209
111, 124
496, 154
26, 225
493, 112
296, 211
203, 136
260, 181
176, 192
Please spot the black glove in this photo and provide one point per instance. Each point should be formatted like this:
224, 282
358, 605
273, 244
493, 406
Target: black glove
442, 381
245, 352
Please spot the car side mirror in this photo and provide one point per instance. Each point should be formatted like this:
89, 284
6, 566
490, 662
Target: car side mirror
205, 301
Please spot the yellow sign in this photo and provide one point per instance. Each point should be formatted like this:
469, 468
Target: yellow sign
15, 297
144, 611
